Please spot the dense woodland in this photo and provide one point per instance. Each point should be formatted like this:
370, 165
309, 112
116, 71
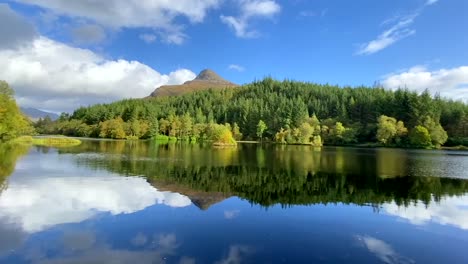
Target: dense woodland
286, 112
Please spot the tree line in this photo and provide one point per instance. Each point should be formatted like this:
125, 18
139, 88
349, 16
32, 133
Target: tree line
282, 111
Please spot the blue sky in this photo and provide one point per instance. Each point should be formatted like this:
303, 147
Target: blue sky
62, 54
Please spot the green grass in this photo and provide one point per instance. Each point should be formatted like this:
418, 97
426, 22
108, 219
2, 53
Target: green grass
57, 142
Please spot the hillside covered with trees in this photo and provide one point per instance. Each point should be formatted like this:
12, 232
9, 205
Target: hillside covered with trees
282, 111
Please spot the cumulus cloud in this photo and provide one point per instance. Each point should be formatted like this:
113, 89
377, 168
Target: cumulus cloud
383, 251
400, 30
14, 30
156, 14
451, 83
51, 75
250, 9
32, 205
450, 211
148, 38
54, 76
236, 67
88, 34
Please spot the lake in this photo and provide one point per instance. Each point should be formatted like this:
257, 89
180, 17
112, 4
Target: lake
140, 202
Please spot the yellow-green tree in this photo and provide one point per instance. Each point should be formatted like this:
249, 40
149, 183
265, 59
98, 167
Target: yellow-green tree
436, 131
389, 130
12, 122
420, 137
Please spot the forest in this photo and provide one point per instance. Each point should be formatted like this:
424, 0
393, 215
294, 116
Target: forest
287, 112
282, 111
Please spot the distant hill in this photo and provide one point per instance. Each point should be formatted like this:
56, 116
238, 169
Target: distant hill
34, 114
205, 80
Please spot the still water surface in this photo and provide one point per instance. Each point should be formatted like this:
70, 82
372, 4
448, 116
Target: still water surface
138, 202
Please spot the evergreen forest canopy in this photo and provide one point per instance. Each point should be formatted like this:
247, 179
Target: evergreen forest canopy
282, 111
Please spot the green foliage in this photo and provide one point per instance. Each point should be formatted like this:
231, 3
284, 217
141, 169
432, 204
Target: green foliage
348, 114
436, 131
420, 137
390, 131
261, 127
221, 135
57, 141
113, 128
161, 138
236, 132
12, 122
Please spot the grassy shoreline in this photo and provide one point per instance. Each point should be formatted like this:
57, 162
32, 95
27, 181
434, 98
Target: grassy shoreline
48, 141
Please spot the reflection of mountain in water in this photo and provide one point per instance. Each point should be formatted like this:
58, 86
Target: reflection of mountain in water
202, 199
285, 175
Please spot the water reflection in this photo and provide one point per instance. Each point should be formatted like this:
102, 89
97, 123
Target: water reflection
287, 175
383, 250
448, 211
36, 204
76, 206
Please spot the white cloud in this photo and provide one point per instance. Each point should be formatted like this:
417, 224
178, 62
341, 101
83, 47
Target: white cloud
400, 30
53, 70
31, 203
451, 83
431, 2
148, 38
236, 67
383, 251
155, 14
250, 9
449, 211
88, 34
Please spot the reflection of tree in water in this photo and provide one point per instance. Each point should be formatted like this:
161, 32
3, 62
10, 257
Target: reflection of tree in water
277, 174
9, 154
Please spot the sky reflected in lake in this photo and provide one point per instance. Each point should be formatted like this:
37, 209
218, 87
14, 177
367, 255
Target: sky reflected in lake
145, 203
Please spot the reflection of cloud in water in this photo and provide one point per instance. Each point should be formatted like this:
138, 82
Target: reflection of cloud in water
383, 251
449, 211
36, 204
10, 238
165, 245
78, 240
236, 255
139, 240
230, 214
186, 260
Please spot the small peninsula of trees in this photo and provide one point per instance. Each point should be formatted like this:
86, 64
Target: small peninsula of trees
286, 112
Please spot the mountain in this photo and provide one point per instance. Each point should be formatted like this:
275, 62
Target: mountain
205, 80
34, 114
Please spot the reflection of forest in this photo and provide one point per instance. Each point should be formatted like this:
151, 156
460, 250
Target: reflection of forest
9, 154
270, 175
